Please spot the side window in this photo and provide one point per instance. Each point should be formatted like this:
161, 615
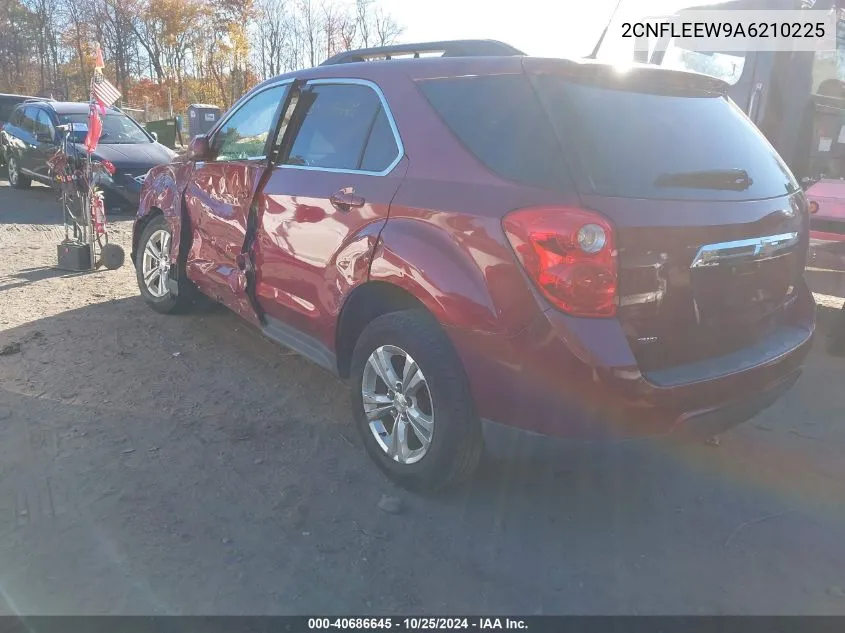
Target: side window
17, 117
27, 122
244, 135
286, 116
43, 125
499, 119
334, 132
381, 147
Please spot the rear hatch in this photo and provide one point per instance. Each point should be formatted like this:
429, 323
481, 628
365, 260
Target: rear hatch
712, 226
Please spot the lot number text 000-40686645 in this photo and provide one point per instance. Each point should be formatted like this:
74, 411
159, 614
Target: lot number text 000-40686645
417, 624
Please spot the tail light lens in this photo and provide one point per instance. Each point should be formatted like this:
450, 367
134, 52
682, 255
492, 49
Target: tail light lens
570, 255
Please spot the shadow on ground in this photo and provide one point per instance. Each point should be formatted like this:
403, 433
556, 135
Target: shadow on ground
153, 464
31, 275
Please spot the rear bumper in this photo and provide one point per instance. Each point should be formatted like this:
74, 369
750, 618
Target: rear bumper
508, 441
577, 379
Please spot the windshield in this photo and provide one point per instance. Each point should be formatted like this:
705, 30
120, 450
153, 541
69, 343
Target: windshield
117, 129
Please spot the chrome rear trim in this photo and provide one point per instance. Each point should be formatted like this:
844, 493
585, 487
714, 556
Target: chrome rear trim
737, 251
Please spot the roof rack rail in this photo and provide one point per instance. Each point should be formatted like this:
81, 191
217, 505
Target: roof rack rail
453, 48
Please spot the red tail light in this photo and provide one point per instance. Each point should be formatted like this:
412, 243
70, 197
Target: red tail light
570, 254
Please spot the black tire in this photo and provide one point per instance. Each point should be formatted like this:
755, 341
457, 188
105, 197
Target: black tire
20, 181
456, 443
836, 338
112, 256
168, 303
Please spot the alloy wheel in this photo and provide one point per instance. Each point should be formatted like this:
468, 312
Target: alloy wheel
398, 404
155, 264
13, 171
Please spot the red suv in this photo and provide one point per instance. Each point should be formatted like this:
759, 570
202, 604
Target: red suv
487, 244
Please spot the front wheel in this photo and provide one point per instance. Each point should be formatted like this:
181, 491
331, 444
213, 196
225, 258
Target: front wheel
155, 267
16, 178
412, 403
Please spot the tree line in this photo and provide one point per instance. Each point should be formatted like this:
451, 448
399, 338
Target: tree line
169, 53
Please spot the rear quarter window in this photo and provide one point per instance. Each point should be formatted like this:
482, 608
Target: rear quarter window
499, 120
628, 142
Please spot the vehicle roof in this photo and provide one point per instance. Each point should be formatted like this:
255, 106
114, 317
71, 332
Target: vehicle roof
72, 107
21, 97
442, 67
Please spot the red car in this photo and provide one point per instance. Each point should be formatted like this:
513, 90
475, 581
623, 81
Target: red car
491, 247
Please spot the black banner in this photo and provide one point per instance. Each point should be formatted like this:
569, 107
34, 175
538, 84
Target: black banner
535, 624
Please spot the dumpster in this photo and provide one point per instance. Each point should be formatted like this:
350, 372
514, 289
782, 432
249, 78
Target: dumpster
165, 130
202, 118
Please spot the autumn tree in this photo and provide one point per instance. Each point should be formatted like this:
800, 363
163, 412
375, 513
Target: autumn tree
180, 50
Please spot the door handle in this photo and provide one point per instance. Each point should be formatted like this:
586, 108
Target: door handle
346, 199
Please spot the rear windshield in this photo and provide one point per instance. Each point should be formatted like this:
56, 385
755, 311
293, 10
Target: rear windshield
613, 142
641, 145
6, 107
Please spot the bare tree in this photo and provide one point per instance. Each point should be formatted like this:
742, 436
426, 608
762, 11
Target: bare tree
363, 15
275, 30
387, 29
309, 28
78, 32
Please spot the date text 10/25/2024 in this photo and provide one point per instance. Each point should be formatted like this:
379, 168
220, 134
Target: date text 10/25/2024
418, 624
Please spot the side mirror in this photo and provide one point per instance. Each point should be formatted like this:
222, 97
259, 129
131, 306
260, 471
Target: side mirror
155, 136
199, 148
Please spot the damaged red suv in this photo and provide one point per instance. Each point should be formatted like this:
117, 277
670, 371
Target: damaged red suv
492, 247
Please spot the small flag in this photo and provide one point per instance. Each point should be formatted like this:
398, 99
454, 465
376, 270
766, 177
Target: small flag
98, 62
102, 90
95, 129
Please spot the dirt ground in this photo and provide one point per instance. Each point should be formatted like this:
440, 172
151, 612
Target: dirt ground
185, 465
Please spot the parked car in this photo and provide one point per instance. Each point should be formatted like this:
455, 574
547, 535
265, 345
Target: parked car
492, 247
33, 134
7, 106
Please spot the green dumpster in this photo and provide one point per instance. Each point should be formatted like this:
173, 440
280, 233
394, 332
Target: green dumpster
165, 129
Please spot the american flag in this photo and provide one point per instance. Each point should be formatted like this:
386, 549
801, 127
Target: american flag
102, 90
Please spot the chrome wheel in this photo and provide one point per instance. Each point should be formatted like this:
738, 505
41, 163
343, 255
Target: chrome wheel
398, 404
155, 263
13, 171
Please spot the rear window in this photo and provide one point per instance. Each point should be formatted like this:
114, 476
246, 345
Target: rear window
662, 146
499, 120
7, 106
556, 133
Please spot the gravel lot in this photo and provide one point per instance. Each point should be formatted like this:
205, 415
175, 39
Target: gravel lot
184, 465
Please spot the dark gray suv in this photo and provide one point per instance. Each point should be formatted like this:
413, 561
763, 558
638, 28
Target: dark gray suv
7, 106
32, 135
